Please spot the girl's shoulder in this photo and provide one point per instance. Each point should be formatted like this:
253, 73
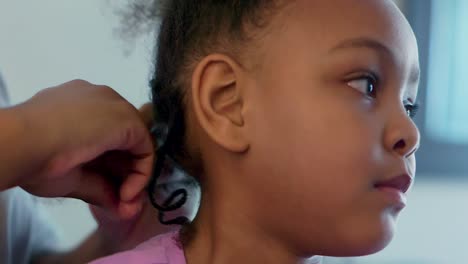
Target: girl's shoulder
162, 249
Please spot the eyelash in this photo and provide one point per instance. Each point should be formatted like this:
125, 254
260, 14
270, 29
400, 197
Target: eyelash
372, 78
412, 110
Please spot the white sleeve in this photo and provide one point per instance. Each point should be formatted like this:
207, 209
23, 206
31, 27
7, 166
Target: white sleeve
24, 230
3, 93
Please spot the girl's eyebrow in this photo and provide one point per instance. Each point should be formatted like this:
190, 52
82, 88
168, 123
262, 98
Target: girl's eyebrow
362, 42
377, 46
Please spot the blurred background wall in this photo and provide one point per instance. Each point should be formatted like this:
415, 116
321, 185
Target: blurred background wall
47, 42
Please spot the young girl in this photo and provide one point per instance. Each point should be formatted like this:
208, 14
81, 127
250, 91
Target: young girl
295, 117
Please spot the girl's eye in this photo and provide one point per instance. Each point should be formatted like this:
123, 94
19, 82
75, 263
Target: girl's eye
411, 109
365, 85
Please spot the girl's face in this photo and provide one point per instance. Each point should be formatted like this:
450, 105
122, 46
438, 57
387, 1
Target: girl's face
332, 142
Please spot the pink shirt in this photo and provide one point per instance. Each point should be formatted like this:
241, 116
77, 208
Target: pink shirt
162, 249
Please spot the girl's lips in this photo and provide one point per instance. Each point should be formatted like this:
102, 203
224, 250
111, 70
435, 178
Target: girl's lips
393, 196
395, 188
400, 183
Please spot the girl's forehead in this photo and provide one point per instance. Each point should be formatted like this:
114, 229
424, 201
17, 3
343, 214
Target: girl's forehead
325, 24
333, 16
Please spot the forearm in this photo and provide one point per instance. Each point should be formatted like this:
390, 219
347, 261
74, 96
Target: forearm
22, 149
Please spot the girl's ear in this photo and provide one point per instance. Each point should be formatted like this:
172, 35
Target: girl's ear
217, 101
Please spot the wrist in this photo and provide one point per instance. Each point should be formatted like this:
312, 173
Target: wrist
34, 139
10, 155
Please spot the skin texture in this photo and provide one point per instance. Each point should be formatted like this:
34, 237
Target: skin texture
292, 149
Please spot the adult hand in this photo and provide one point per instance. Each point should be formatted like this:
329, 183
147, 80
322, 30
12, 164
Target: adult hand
91, 144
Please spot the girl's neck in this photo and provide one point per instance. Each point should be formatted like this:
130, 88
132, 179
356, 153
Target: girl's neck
223, 234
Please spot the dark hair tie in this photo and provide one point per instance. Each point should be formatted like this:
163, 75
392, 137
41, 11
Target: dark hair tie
177, 198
